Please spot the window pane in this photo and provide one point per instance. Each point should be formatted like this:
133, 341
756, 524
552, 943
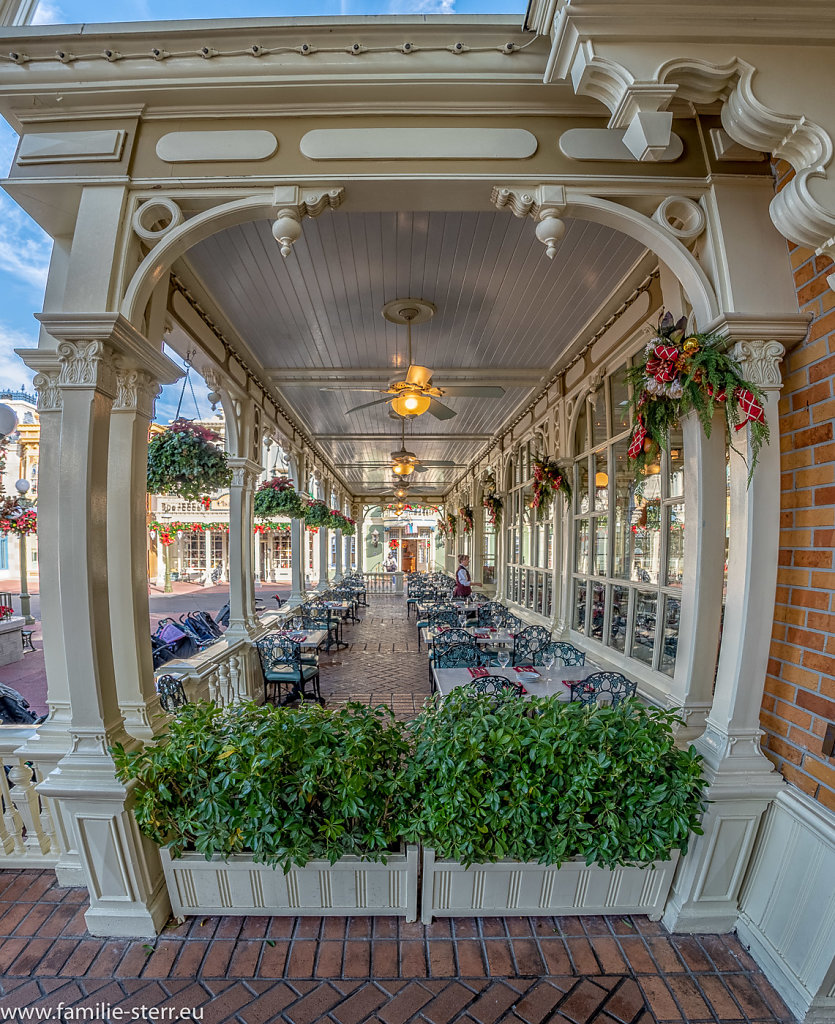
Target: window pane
675, 545
581, 559
581, 434
624, 507
620, 608
601, 481
643, 637
601, 545
598, 610
646, 565
619, 402
579, 618
675, 463
581, 486
598, 428
669, 644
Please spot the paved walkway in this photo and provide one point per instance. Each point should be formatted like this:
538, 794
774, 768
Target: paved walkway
259, 970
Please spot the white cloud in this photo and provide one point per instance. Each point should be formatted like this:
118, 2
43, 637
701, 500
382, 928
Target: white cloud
14, 373
24, 248
48, 13
422, 7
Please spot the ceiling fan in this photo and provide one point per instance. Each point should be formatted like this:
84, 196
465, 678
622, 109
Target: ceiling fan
416, 394
403, 462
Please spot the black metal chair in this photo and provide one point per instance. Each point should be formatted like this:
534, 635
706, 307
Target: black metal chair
172, 695
603, 684
450, 635
529, 642
465, 655
564, 653
439, 616
496, 686
316, 615
281, 665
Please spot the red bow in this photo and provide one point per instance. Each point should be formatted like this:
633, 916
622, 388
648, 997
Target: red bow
639, 435
662, 364
752, 411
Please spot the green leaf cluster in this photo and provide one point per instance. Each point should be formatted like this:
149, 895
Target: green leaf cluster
184, 463
318, 515
546, 781
476, 779
286, 785
269, 502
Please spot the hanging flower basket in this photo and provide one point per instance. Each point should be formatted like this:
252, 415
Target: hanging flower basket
342, 522
278, 497
680, 373
549, 477
185, 460
451, 525
467, 517
494, 505
15, 519
318, 514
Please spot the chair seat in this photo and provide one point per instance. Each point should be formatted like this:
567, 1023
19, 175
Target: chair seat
422, 623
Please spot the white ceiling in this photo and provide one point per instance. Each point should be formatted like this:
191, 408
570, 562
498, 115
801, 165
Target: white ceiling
503, 310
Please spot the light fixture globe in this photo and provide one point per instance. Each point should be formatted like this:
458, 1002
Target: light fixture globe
8, 420
403, 468
410, 404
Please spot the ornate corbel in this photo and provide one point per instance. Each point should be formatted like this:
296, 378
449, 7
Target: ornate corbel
544, 203
293, 204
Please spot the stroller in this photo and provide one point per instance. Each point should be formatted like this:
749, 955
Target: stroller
14, 708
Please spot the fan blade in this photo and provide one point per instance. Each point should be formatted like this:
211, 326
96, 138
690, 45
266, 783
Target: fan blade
378, 401
440, 411
420, 469
419, 376
432, 463
475, 390
378, 391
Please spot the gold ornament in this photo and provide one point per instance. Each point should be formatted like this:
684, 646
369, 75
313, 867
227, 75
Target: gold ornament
691, 345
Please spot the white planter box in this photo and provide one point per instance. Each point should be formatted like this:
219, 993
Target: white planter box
11, 641
514, 888
238, 886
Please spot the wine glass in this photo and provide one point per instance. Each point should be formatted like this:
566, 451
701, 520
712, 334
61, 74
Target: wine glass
462, 618
298, 622
548, 660
503, 658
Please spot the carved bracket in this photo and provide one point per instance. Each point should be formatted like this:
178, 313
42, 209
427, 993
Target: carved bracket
544, 204
293, 204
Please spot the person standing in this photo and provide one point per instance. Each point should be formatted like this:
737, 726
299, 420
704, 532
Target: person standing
462, 577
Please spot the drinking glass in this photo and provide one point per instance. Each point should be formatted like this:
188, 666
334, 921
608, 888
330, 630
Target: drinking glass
298, 622
548, 660
462, 618
503, 659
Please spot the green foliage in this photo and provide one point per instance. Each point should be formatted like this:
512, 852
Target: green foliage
318, 514
184, 460
278, 497
284, 784
540, 780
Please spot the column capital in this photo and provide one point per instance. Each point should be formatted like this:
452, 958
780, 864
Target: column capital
760, 342
136, 391
245, 472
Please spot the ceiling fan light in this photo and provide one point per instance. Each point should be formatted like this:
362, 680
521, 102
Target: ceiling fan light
403, 468
411, 404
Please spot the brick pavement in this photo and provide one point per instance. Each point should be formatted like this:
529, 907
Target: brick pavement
357, 970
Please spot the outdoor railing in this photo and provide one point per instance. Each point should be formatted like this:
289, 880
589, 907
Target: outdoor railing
27, 833
382, 582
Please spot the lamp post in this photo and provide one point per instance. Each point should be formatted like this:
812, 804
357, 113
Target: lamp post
22, 486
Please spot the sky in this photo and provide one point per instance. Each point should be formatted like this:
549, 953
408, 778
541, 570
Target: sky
25, 249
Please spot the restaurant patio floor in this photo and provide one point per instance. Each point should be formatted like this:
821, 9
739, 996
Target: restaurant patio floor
606, 970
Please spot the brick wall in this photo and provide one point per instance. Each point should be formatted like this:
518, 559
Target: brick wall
799, 700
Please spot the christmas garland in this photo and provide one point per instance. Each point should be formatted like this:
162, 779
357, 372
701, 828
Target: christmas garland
278, 497
681, 373
466, 514
14, 519
494, 505
549, 477
167, 532
185, 460
451, 526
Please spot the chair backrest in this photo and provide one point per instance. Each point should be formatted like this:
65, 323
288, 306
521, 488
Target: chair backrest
171, 693
564, 653
529, 642
453, 635
611, 685
443, 616
277, 650
458, 656
496, 686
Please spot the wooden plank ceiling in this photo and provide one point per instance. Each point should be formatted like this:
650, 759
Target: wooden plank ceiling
505, 314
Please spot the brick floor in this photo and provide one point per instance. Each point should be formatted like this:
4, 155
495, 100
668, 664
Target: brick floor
259, 970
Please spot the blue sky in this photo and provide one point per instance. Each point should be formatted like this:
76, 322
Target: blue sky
25, 249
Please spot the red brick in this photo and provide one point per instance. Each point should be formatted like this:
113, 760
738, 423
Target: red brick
470, 960
493, 1003
312, 1007
359, 1006
817, 392
405, 1004
821, 370
499, 959
556, 955
817, 705
796, 777
441, 958
447, 1004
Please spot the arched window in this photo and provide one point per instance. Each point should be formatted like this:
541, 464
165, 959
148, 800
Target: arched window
529, 543
628, 537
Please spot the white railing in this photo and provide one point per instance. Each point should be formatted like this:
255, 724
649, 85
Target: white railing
27, 833
380, 582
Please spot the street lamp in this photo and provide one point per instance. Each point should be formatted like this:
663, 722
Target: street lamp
22, 486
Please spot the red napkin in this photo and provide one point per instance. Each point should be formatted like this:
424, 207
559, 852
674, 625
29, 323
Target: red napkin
477, 673
526, 668
481, 634
297, 638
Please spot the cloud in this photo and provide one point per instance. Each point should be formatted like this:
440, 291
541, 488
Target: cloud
24, 248
14, 373
422, 7
48, 13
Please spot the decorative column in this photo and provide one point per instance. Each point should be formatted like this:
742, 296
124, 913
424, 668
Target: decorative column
324, 558
207, 538
337, 569
243, 623
358, 513
133, 408
121, 869
741, 781
477, 538
346, 557
256, 543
